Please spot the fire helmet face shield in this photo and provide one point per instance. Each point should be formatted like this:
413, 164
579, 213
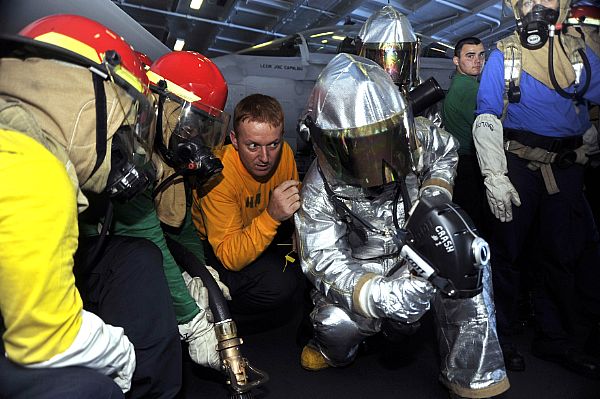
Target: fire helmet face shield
185, 121
140, 110
116, 73
192, 94
360, 124
388, 39
194, 137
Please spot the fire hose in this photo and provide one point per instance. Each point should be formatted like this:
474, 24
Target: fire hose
233, 364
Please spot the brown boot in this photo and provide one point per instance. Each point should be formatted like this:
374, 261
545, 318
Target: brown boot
312, 360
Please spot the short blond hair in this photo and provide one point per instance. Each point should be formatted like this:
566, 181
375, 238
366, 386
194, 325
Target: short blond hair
258, 108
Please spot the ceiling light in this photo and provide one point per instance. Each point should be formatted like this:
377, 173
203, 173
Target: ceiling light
263, 44
179, 43
321, 34
195, 4
445, 45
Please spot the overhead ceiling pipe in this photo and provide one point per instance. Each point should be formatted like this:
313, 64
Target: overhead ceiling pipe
198, 19
286, 6
475, 11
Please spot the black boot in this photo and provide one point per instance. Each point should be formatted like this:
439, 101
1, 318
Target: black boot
513, 359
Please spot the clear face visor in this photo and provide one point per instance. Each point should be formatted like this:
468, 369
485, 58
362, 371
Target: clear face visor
131, 169
398, 59
186, 121
139, 109
368, 156
130, 148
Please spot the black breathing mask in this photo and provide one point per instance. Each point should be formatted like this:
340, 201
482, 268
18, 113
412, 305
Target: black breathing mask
189, 157
533, 27
130, 173
186, 152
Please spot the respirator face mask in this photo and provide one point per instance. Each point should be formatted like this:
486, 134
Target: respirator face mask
191, 157
195, 134
533, 24
131, 170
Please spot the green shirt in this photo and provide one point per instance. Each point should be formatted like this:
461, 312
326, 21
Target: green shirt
138, 218
458, 111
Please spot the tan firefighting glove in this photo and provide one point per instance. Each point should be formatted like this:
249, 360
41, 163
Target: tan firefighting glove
489, 145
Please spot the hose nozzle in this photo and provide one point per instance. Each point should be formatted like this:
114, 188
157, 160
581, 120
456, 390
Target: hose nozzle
233, 363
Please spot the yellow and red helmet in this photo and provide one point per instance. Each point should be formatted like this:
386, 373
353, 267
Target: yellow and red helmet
103, 49
194, 93
114, 67
144, 59
91, 40
194, 73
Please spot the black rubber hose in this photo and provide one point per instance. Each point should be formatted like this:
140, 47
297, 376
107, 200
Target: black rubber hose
108, 215
195, 268
164, 183
557, 88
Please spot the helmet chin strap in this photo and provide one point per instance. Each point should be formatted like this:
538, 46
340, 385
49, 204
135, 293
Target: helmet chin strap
101, 129
159, 141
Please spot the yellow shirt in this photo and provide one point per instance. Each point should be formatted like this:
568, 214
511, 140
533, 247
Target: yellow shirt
39, 302
233, 215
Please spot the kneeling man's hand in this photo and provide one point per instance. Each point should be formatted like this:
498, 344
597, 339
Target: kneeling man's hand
285, 200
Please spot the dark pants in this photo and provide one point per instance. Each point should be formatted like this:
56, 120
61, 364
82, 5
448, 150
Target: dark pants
265, 293
17, 382
126, 287
563, 259
469, 193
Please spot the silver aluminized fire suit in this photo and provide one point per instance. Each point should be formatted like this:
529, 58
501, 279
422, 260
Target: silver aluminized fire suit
353, 292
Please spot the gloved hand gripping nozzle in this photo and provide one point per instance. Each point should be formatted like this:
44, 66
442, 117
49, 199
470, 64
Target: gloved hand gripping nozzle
440, 243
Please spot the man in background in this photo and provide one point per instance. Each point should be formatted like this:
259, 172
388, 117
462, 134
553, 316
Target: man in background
458, 114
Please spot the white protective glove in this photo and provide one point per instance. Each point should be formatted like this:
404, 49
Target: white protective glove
403, 297
194, 284
489, 145
200, 335
501, 194
590, 139
98, 346
589, 148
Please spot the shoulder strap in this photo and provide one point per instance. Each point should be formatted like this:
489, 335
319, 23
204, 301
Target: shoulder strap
511, 48
573, 47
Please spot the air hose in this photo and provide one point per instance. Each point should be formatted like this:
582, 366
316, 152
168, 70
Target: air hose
233, 364
586, 65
